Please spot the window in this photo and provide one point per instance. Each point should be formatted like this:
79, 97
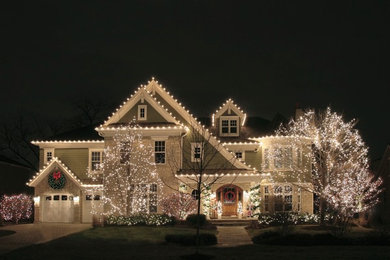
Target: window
142, 112
48, 198
148, 195
96, 160
153, 198
124, 152
56, 197
266, 203
88, 197
159, 152
283, 198
229, 126
48, 155
283, 157
196, 152
64, 197
266, 158
240, 155
266, 189
299, 157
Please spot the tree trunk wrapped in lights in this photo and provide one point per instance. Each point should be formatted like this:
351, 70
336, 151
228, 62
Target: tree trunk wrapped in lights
339, 161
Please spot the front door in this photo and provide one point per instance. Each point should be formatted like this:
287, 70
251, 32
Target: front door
229, 196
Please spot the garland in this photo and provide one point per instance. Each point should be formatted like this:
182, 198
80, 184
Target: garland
56, 180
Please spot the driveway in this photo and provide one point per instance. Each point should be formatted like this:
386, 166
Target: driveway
29, 234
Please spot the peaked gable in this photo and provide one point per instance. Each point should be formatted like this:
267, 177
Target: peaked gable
229, 108
50, 166
141, 95
180, 112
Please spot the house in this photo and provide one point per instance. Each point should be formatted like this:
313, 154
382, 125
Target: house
236, 158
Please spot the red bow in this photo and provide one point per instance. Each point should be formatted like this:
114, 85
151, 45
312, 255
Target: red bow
57, 175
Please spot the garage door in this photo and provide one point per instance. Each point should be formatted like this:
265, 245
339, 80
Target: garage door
92, 204
58, 208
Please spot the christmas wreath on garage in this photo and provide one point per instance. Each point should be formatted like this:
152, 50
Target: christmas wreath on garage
57, 180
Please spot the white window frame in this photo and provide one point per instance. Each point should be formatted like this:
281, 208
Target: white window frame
193, 146
283, 194
164, 152
145, 107
242, 155
90, 158
229, 119
45, 152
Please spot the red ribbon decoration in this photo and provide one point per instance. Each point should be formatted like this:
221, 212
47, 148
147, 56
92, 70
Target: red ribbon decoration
56, 175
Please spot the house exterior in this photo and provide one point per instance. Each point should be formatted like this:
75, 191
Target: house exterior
232, 161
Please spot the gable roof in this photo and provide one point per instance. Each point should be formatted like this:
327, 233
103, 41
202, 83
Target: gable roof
229, 106
157, 89
140, 94
48, 168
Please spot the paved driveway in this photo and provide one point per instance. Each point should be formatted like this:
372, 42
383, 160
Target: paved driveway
29, 234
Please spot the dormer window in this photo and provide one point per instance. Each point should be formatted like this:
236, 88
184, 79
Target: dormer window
229, 126
142, 112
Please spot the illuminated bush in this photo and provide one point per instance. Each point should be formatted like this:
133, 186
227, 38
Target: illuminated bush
16, 207
178, 205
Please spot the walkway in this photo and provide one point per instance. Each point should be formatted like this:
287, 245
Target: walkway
230, 236
29, 234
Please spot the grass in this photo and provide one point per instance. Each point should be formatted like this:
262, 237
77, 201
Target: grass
6, 232
313, 229
148, 243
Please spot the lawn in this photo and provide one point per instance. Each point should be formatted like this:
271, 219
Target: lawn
313, 229
148, 243
6, 232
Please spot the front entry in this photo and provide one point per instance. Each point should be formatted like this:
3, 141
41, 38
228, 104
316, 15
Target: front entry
229, 196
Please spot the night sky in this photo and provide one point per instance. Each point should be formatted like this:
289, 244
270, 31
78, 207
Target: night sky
267, 57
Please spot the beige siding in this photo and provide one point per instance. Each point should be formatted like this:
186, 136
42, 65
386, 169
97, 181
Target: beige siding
76, 159
152, 115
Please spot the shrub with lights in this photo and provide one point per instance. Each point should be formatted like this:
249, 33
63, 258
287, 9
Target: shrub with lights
16, 207
289, 218
178, 205
140, 220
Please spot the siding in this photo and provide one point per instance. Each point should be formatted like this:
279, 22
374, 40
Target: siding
152, 115
76, 159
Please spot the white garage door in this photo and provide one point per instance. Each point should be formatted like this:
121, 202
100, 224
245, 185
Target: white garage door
92, 204
57, 208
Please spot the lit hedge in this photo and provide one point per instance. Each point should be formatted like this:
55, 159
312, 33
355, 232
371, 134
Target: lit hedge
287, 218
140, 220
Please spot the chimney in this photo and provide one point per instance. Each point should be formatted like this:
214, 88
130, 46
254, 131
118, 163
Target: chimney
298, 111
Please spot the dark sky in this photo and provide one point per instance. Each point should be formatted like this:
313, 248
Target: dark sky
266, 56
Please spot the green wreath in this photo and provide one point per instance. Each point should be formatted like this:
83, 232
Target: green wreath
56, 180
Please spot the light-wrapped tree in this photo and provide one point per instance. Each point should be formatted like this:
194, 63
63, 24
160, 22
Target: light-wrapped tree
340, 169
128, 171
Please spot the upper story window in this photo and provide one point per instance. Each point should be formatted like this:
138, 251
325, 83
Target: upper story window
240, 155
280, 158
95, 159
48, 155
142, 112
196, 152
124, 152
229, 126
159, 152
